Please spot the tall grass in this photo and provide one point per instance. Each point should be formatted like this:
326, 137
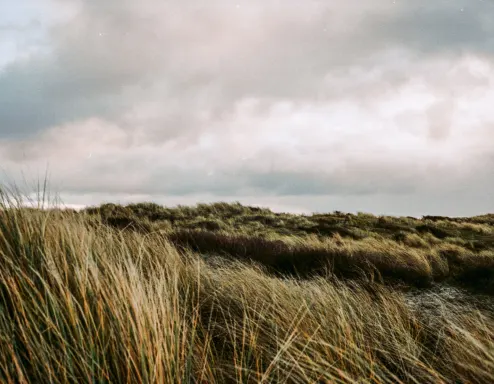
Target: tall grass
417, 252
83, 302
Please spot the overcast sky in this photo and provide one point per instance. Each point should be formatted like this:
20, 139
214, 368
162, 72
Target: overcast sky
381, 106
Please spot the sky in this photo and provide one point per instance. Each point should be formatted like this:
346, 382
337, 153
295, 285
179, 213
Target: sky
382, 106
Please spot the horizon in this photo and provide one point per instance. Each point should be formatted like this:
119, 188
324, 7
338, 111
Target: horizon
313, 107
36, 201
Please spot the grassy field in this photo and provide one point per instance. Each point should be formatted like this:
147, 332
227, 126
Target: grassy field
417, 252
226, 293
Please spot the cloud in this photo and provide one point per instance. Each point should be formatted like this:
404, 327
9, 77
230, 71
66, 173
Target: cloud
108, 56
256, 98
440, 28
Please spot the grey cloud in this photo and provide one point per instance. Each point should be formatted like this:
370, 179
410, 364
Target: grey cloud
136, 177
356, 180
36, 96
440, 27
189, 52
315, 192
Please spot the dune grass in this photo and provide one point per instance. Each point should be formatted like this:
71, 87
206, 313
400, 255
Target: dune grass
81, 301
417, 252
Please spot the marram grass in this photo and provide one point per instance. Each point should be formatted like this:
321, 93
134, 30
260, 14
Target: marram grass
81, 302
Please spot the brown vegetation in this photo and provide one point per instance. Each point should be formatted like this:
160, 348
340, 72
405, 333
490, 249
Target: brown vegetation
417, 252
81, 301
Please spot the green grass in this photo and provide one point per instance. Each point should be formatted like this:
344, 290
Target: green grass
84, 300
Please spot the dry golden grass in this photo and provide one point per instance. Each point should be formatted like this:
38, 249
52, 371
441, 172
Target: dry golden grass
81, 302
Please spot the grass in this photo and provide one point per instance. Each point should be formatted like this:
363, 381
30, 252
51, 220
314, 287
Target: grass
84, 300
417, 252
